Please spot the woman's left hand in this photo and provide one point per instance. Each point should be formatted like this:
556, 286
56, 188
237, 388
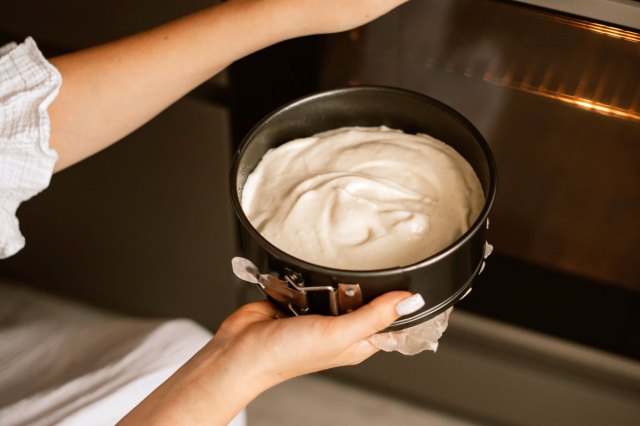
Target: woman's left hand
254, 349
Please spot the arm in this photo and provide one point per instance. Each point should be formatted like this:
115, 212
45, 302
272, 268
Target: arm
252, 351
110, 90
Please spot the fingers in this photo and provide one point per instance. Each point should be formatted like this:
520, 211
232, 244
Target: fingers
353, 327
379, 314
367, 320
250, 313
359, 351
260, 310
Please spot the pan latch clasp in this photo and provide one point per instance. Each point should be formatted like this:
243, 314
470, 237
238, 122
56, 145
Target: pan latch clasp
292, 291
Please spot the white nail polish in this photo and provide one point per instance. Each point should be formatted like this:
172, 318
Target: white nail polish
410, 304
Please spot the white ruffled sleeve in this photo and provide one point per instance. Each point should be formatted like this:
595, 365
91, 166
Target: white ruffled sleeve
28, 85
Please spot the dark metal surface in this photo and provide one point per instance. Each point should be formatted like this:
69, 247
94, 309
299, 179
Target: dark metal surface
442, 278
558, 99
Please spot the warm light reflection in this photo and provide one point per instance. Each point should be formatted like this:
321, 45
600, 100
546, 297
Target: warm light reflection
590, 105
559, 94
590, 85
607, 30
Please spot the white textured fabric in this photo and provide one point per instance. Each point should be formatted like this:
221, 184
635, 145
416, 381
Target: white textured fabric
28, 85
67, 364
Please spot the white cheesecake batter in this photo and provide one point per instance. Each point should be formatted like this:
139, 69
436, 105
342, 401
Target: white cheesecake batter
361, 198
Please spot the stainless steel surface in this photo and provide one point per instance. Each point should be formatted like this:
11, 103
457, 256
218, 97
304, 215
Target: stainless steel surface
620, 12
496, 374
558, 99
321, 402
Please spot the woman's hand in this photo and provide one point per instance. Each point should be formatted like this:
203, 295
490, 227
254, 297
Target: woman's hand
254, 350
280, 349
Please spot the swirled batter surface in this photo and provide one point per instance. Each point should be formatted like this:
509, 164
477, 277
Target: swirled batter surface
361, 198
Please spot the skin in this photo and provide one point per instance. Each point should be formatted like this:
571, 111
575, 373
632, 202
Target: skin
253, 351
110, 90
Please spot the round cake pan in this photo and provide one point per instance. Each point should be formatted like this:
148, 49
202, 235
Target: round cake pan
302, 287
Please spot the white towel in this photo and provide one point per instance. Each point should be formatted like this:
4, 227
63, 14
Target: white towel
67, 364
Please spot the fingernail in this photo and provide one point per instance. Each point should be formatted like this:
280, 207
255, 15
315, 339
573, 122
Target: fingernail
410, 304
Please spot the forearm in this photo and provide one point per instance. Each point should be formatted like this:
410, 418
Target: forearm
110, 90
210, 389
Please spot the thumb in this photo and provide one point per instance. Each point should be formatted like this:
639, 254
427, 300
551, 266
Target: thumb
379, 313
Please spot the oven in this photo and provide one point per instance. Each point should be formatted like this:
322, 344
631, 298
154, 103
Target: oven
554, 87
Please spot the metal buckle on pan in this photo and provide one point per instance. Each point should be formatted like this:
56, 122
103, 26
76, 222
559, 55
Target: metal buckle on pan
292, 292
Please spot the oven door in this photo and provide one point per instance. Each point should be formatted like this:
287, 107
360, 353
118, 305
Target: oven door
557, 97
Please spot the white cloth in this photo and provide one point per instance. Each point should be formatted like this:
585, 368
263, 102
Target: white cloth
28, 85
66, 364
